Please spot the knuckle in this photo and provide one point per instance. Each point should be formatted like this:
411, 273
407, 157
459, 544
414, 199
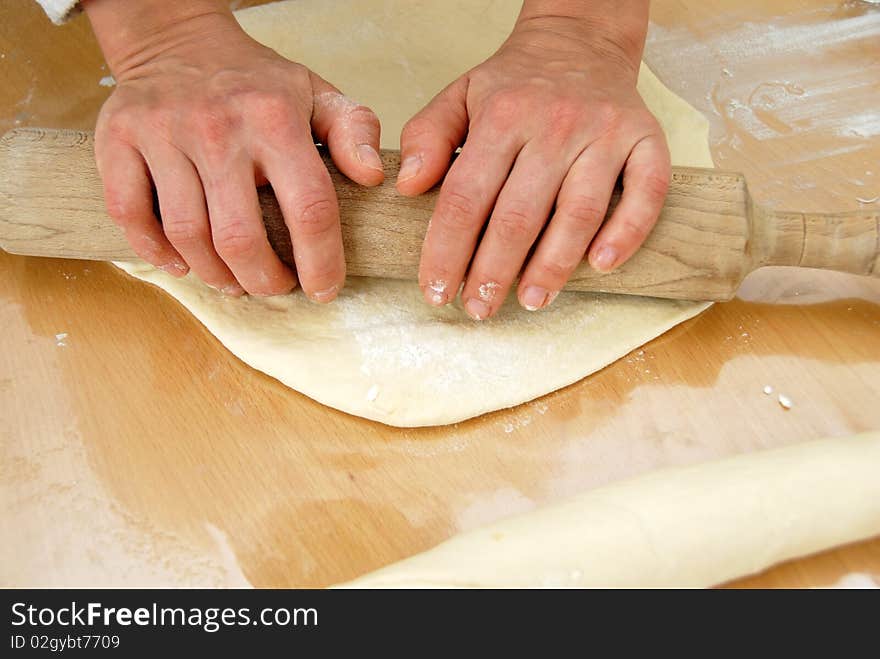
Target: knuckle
314, 215
267, 103
117, 125
298, 73
503, 107
555, 271
185, 233
417, 128
563, 118
457, 211
584, 211
235, 240
214, 126
656, 184
122, 210
635, 230
364, 115
274, 111
514, 226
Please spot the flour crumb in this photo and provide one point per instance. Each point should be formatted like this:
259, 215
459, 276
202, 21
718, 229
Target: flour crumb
438, 290
541, 408
337, 102
517, 422
373, 393
60, 339
768, 389
487, 291
785, 401
107, 81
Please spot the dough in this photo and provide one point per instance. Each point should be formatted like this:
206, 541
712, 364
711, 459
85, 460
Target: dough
396, 55
695, 526
379, 351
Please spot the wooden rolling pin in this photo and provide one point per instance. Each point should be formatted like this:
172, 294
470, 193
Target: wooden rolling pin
709, 237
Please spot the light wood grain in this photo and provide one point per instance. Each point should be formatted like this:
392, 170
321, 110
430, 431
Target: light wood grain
709, 236
141, 452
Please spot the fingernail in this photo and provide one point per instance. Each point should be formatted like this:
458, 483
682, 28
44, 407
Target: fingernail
477, 309
369, 157
435, 292
534, 298
605, 259
326, 295
175, 268
233, 290
409, 168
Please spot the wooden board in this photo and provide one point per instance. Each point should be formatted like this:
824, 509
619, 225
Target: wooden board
135, 450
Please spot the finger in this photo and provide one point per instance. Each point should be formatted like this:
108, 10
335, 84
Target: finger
237, 229
464, 203
520, 213
350, 131
580, 209
185, 218
431, 137
645, 182
307, 199
128, 194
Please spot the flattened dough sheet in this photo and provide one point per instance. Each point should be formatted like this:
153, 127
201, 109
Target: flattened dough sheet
379, 352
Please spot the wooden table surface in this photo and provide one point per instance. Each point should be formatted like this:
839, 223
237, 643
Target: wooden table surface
135, 450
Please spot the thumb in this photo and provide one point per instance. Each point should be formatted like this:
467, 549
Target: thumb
431, 137
350, 131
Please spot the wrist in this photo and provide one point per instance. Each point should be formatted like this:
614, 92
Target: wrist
615, 28
133, 33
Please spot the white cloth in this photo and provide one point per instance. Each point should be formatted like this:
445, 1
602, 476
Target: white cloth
60, 10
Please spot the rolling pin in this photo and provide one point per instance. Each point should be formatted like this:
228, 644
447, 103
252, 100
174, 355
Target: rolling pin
709, 237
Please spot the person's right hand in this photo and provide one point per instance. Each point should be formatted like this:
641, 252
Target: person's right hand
206, 114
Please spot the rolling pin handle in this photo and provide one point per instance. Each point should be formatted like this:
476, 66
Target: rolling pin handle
846, 242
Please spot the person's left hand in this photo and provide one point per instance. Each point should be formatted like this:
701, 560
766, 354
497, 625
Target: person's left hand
550, 120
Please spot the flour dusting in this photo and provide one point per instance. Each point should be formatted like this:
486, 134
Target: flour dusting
398, 334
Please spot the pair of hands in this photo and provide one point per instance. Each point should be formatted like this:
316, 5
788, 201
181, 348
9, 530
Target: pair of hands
206, 114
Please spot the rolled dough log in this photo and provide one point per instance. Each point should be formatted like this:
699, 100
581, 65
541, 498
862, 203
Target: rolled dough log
695, 526
379, 351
